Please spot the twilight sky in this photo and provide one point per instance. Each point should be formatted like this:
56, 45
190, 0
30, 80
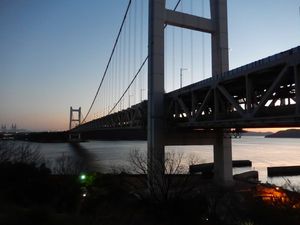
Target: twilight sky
53, 52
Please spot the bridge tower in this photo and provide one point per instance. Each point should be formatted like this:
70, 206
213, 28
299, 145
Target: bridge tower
74, 121
159, 16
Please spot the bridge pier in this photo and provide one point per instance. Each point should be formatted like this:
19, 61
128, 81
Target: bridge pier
223, 158
74, 137
222, 149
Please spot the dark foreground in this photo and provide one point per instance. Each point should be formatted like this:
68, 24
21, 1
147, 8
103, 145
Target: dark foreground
31, 195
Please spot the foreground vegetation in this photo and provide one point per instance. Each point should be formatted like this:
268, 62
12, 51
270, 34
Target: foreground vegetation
31, 193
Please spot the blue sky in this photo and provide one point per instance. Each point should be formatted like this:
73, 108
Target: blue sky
53, 52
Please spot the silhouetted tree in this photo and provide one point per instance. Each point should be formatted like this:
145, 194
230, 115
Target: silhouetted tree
172, 184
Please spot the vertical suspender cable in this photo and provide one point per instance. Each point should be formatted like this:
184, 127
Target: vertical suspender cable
134, 50
121, 65
192, 49
129, 55
118, 74
124, 60
109, 83
166, 75
115, 83
119, 69
173, 58
203, 45
141, 78
181, 43
104, 99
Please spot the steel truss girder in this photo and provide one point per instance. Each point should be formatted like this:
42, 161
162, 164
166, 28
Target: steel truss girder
265, 93
133, 117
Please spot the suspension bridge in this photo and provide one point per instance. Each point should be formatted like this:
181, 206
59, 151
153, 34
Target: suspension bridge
199, 105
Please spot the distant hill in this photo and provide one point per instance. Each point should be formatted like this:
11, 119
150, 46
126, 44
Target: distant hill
290, 133
252, 133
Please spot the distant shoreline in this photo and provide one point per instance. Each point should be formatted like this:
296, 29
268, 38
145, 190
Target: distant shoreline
63, 136
290, 133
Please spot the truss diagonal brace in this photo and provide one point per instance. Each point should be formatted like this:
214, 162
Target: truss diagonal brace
188, 21
231, 100
270, 91
201, 108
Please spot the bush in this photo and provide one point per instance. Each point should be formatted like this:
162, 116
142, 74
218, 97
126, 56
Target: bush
20, 153
67, 165
173, 184
26, 181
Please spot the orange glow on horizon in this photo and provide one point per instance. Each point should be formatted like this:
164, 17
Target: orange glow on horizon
273, 130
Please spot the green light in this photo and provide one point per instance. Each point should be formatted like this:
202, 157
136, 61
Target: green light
86, 179
82, 177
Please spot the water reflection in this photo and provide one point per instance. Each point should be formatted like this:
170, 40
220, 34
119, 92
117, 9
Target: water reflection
84, 157
263, 152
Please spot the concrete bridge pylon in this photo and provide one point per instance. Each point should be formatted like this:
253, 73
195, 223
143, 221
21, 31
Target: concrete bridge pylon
159, 16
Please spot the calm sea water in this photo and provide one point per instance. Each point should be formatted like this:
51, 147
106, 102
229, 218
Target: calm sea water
263, 152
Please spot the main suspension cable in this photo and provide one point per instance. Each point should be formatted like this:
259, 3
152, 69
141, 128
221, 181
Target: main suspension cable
111, 55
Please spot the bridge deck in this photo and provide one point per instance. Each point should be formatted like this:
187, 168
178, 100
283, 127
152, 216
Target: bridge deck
265, 93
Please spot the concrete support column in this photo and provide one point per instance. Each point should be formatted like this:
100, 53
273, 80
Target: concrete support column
220, 64
219, 38
71, 118
249, 91
79, 115
222, 158
156, 90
